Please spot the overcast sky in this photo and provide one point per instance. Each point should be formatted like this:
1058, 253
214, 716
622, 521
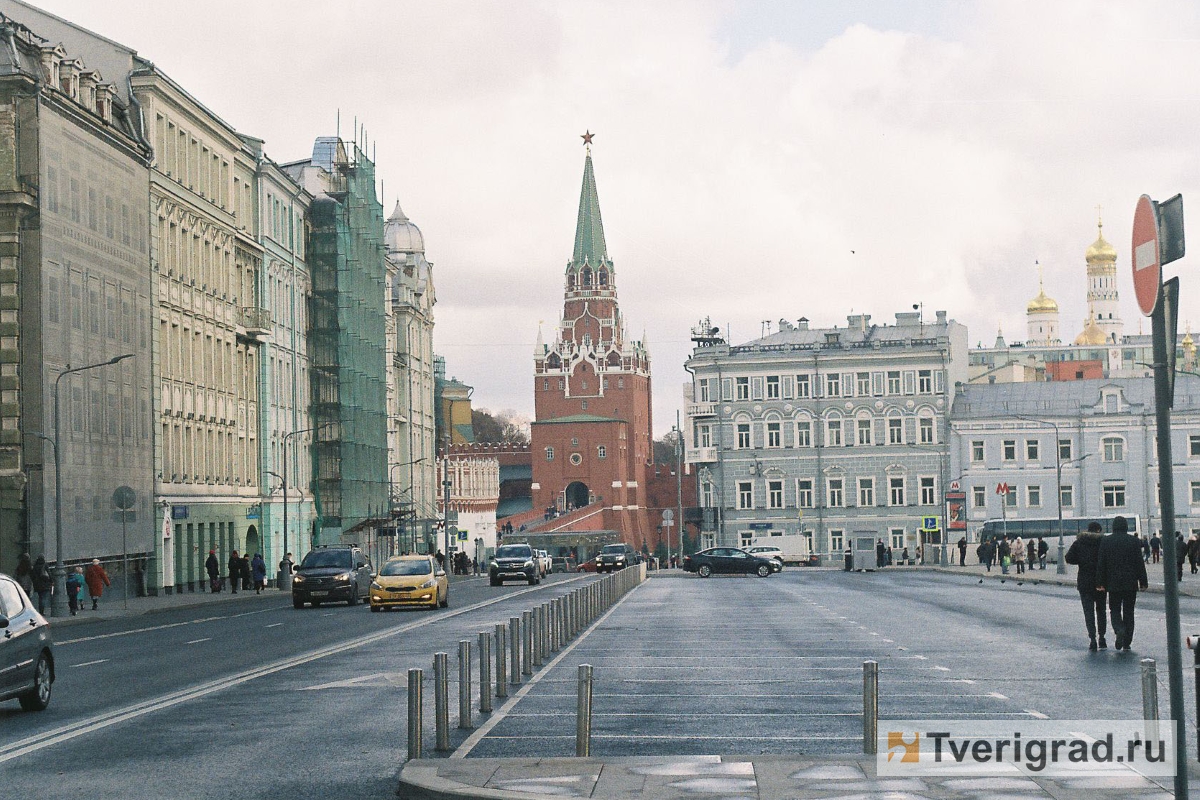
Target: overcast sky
755, 160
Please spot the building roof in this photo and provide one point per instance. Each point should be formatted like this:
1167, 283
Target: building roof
909, 330
1057, 399
400, 235
589, 228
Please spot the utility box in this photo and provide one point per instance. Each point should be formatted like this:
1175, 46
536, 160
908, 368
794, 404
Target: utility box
864, 552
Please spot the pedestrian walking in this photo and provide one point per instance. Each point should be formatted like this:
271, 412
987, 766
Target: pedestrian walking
981, 554
74, 589
1121, 572
1145, 549
24, 573
440, 558
1193, 551
213, 568
42, 584
1018, 554
904, 555
1180, 554
888, 558
246, 573
1084, 552
1042, 550
258, 568
235, 571
96, 579
962, 552
286, 565
1004, 550
1155, 547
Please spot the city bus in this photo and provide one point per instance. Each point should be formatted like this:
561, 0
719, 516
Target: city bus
1047, 528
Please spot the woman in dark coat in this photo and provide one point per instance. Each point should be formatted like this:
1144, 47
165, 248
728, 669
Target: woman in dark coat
42, 583
245, 572
259, 569
1084, 552
213, 567
235, 571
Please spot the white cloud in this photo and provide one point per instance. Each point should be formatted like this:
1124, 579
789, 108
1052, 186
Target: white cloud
948, 156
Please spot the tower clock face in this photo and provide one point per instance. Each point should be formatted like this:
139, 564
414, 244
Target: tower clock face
576, 459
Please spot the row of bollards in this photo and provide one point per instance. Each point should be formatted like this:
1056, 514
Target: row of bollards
527, 642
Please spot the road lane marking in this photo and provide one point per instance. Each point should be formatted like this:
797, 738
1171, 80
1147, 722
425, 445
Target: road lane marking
153, 628
64, 733
997, 695
90, 663
1036, 714
274, 625
198, 641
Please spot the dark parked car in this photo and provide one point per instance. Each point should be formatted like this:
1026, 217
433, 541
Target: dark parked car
514, 561
563, 564
726, 561
616, 556
26, 649
332, 572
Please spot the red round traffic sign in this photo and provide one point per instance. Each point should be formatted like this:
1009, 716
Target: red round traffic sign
1147, 268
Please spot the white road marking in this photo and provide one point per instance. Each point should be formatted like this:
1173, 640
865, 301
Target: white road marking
274, 625
997, 695
90, 663
889, 641
1036, 714
64, 733
158, 627
942, 669
198, 641
327, 614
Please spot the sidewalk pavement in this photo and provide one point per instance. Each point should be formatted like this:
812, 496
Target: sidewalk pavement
1188, 587
744, 778
113, 606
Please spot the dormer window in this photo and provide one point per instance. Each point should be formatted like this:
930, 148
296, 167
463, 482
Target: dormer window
1110, 404
602, 278
587, 276
570, 280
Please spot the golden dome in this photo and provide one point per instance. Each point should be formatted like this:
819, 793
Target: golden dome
1187, 342
1100, 250
1041, 304
1092, 334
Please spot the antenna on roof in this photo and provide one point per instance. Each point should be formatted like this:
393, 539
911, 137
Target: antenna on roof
339, 123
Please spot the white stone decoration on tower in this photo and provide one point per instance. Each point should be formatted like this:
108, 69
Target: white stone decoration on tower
1042, 318
1102, 296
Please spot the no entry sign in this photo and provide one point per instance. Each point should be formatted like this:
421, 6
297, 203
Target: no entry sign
1147, 266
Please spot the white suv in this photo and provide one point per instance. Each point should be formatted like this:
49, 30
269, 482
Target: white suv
545, 563
766, 551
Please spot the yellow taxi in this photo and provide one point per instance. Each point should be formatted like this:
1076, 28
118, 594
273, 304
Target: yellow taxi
410, 581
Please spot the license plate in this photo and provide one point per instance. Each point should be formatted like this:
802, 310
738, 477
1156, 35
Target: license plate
319, 594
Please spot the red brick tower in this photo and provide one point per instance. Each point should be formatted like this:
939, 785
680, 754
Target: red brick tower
591, 437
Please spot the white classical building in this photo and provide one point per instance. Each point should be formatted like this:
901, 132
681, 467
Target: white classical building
474, 495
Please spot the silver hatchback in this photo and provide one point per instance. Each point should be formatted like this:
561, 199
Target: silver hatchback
26, 649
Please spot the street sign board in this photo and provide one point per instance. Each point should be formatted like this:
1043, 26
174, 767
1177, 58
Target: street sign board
1001, 488
955, 486
668, 515
124, 497
1147, 266
929, 523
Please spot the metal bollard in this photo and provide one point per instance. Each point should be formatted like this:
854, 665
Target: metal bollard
526, 642
464, 684
485, 672
441, 699
416, 717
1150, 697
535, 636
501, 664
571, 629
514, 647
583, 713
545, 609
870, 707
555, 626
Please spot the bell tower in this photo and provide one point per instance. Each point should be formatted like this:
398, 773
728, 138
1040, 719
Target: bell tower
591, 438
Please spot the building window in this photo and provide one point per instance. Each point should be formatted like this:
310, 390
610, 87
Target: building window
576, 459
897, 539
893, 382
1032, 450
977, 452
1064, 449
1194, 445
708, 494
837, 497
1066, 496
864, 431
862, 383
601, 451
703, 436
895, 430
928, 491
836, 540
747, 538
1114, 449
743, 388
775, 494
833, 432
1033, 496
745, 495
925, 427
803, 434
1009, 449
866, 492
1010, 499
772, 387
978, 497
774, 435
574, 441
1114, 495
833, 385
583, 404
803, 390
925, 381
1110, 404
704, 392
896, 491
877, 384
549, 453
743, 436
804, 494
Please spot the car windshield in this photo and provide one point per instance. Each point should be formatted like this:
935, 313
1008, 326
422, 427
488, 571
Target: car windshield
613, 548
513, 551
406, 568
316, 559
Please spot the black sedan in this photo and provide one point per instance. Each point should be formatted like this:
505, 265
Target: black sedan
727, 561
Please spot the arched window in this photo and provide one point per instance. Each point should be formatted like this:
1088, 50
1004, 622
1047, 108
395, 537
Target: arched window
586, 276
570, 280
602, 278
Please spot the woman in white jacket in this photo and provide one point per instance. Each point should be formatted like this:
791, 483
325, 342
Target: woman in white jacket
1018, 554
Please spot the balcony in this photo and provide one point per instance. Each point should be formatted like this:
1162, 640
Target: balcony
701, 455
255, 321
701, 410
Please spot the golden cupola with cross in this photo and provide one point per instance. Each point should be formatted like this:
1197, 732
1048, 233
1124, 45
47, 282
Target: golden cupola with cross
1103, 299
1041, 318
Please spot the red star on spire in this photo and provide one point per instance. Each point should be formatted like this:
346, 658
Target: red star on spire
587, 137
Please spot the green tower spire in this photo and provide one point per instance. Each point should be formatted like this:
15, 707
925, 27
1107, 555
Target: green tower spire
589, 229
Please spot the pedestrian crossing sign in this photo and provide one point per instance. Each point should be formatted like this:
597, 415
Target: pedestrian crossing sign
929, 523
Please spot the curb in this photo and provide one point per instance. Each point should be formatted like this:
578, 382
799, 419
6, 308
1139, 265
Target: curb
91, 617
1053, 580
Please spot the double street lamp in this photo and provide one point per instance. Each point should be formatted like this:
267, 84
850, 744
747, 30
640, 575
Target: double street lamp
391, 496
286, 580
1061, 567
58, 602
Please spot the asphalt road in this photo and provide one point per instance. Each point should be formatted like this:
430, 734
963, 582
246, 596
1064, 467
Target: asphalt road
262, 701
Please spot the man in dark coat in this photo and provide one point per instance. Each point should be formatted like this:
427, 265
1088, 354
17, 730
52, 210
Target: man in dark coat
235, 571
1121, 572
880, 553
245, 572
962, 552
1083, 553
1180, 554
213, 568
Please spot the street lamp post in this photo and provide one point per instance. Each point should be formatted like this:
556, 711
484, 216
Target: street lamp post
58, 602
391, 496
1061, 567
285, 581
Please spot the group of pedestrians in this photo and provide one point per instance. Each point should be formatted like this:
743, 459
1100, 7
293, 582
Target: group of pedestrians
34, 578
250, 573
1011, 553
1113, 569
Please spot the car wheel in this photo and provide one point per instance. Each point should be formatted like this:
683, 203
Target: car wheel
316, 603
446, 600
495, 582
705, 571
297, 603
763, 570
532, 581
375, 608
353, 601
37, 698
